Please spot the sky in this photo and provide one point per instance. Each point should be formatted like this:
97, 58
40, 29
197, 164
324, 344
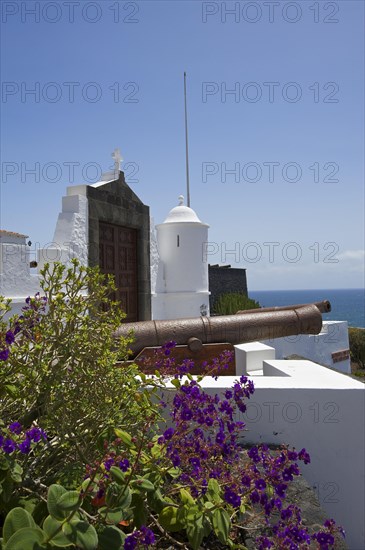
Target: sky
276, 123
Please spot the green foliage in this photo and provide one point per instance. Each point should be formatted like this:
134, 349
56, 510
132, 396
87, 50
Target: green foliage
61, 373
357, 346
231, 302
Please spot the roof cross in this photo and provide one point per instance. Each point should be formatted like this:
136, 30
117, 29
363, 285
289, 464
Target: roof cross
117, 160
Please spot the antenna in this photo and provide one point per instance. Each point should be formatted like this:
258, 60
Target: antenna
186, 146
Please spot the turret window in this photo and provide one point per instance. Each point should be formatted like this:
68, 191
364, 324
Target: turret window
178, 240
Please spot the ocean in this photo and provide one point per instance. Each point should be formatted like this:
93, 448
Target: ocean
347, 304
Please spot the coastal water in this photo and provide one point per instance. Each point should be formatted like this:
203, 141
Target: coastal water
347, 304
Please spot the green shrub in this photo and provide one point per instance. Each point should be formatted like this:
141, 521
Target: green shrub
61, 374
231, 302
357, 346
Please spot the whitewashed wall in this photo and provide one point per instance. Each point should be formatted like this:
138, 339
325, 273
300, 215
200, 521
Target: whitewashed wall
333, 338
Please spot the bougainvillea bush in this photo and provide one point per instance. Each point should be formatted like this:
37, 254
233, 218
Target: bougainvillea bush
86, 459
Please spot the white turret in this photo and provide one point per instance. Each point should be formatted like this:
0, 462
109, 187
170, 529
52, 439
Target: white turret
182, 285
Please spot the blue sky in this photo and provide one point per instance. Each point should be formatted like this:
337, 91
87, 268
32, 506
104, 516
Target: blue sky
276, 166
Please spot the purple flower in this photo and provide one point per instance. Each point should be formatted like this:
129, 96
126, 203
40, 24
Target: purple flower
246, 480
35, 434
286, 513
130, 542
4, 354
232, 498
143, 536
220, 437
148, 536
280, 490
24, 447
168, 433
195, 462
9, 446
108, 464
260, 484
15, 427
253, 453
255, 497
176, 460
264, 543
303, 455
124, 465
287, 475
9, 337
186, 414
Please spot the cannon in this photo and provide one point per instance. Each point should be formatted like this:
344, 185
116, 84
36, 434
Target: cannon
198, 332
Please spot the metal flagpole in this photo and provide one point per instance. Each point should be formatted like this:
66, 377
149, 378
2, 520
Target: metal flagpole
186, 146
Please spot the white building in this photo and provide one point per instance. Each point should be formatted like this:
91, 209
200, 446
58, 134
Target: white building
182, 282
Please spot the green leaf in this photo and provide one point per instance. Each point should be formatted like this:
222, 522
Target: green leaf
213, 489
69, 501
40, 511
28, 538
156, 501
242, 508
139, 510
11, 390
52, 526
113, 493
192, 512
125, 437
83, 535
186, 497
168, 519
4, 464
55, 492
7, 488
16, 519
143, 484
114, 515
125, 499
117, 475
175, 382
195, 532
209, 505
111, 537
221, 524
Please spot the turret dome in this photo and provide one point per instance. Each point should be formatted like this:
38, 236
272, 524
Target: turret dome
182, 214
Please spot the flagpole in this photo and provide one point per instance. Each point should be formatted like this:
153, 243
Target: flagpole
186, 146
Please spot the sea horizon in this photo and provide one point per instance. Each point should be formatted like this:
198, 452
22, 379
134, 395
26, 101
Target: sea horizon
348, 304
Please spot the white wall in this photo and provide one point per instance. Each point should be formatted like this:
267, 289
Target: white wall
70, 240
333, 337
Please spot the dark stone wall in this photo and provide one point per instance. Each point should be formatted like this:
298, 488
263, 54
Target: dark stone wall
226, 279
116, 203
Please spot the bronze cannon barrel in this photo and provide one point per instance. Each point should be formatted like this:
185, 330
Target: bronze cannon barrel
324, 307
234, 329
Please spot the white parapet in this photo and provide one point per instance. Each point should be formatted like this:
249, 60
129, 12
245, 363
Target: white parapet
250, 356
329, 348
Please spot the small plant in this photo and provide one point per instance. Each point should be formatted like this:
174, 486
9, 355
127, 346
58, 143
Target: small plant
231, 302
357, 346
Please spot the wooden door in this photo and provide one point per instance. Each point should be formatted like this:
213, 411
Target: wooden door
118, 256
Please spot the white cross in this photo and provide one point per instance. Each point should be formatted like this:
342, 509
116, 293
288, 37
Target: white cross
117, 160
